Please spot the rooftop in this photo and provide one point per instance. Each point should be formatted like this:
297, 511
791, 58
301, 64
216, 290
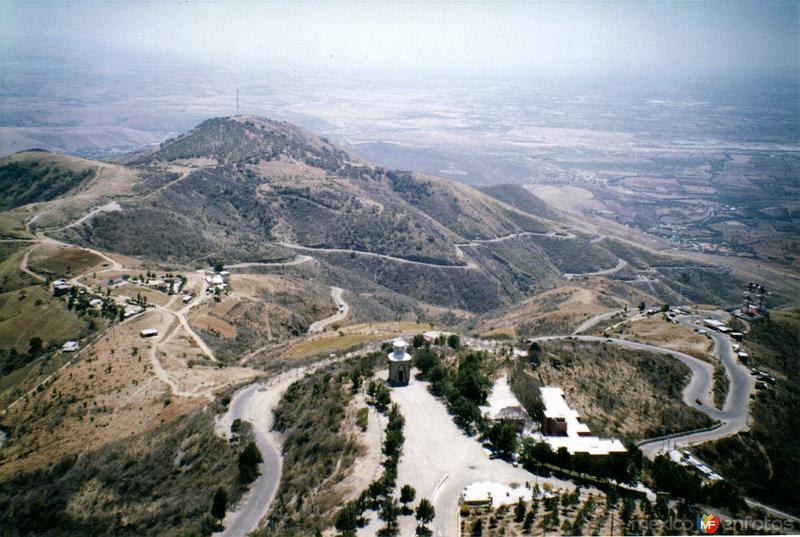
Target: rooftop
495, 493
577, 439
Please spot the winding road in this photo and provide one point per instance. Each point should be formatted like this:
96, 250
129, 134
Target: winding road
469, 266
299, 260
595, 319
341, 313
619, 266
732, 417
254, 404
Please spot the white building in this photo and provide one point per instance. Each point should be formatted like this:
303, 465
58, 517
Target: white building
562, 427
399, 363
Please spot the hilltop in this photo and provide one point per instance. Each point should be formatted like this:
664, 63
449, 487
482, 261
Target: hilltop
247, 189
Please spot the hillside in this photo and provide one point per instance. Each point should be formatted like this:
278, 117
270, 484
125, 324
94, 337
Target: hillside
247, 189
34, 176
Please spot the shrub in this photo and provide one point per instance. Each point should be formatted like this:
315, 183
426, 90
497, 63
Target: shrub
249, 459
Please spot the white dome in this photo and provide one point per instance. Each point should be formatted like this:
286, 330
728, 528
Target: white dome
399, 353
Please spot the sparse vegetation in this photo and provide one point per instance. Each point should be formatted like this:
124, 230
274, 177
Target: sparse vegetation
620, 392
163, 481
27, 180
317, 453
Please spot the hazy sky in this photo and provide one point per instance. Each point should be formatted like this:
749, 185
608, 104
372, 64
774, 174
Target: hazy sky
624, 37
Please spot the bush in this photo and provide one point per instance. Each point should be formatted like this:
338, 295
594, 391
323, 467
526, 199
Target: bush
219, 503
425, 360
249, 459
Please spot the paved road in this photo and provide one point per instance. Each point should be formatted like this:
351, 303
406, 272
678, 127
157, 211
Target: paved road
734, 414
619, 266
470, 265
255, 404
245, 406
595, 319
319, 326
549, 234
439, 460
299, 260
701, 381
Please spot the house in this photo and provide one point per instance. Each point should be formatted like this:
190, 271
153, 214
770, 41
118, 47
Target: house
70, 346
187, 299
61, 289
96, 303
562, 428
148, 332
132, 310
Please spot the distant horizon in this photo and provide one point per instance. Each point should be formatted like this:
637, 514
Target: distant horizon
569, 39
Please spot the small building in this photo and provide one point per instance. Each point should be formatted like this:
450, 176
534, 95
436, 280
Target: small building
399, 363
60, 289
504, 407
148, 332
738, 336
490, 493
96, 303
70, 346
131, 310
187, 299
562, 428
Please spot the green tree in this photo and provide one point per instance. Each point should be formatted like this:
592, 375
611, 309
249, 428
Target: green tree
249, 459
530, 517
407, 495
503, 437
347, 519
425, 360
219, 503
418, 341
535, 354
454, 341
35, 345
425, 512
388, 513
519, 511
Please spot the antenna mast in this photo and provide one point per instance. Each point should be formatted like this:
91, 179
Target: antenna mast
237, 102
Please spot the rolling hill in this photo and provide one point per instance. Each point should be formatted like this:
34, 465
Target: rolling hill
248, 189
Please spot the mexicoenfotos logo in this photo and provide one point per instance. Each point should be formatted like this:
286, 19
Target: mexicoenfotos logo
708, 524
